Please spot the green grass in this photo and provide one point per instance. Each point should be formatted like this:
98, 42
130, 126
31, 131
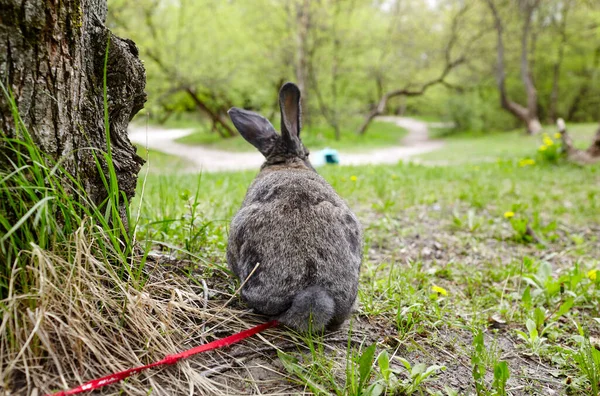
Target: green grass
42, 203
475, 147
380, 134
442, 263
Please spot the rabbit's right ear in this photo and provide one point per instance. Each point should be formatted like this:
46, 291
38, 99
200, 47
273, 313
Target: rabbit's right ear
256, 129
289, 102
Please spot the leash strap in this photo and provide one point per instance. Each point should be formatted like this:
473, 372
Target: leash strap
168, 360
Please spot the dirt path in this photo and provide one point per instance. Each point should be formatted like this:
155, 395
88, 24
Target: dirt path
201, 158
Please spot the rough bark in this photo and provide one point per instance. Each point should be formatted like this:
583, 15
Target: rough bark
52, 59
589, 156
527, 114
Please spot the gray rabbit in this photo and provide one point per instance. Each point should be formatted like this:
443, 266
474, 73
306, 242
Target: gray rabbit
298, 236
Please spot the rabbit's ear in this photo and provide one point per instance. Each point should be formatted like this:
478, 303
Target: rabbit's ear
289, 101
256, 129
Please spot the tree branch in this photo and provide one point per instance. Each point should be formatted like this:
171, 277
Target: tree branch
406, 91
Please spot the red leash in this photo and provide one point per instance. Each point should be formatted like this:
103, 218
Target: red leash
168, 360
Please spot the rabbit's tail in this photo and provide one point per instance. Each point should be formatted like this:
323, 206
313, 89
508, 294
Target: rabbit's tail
312, 309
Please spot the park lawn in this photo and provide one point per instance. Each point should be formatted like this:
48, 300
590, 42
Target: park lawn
379, 134
477, 278
451, 279
470, 147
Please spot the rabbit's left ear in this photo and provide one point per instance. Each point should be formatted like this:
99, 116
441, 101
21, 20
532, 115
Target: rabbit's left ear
289, 102
256, 129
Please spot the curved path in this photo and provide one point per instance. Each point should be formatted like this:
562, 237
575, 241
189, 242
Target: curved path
205, 159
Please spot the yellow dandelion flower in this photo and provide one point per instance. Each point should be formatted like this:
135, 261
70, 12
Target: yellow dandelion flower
557, 135
593, 275
548, 142
439, 290
508, 215
353, 178
526, 162
543, 148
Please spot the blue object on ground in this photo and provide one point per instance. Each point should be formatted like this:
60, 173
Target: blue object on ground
325, 156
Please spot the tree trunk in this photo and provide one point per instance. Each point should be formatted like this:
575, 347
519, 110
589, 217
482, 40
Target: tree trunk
594, 149
528, 115
533, 122
589, 156
52, 58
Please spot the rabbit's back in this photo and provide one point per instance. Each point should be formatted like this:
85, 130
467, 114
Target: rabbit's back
303, 234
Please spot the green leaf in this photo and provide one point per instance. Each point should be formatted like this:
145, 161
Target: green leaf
526, 299
501, 371
528, 263
384, 365
418, 369
404, 362
564, 308
478, 342
532, 328
544, 271
432, 370
522, 335
365, 364
539, 316
501, 376
375, 389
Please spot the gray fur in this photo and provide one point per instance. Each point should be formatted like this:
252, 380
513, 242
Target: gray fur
306, 239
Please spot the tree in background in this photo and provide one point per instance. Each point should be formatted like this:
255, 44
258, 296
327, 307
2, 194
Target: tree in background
449, 62
210, 54
362, 57
527, 114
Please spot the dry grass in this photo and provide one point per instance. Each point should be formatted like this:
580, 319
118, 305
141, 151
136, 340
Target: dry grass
81, 321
